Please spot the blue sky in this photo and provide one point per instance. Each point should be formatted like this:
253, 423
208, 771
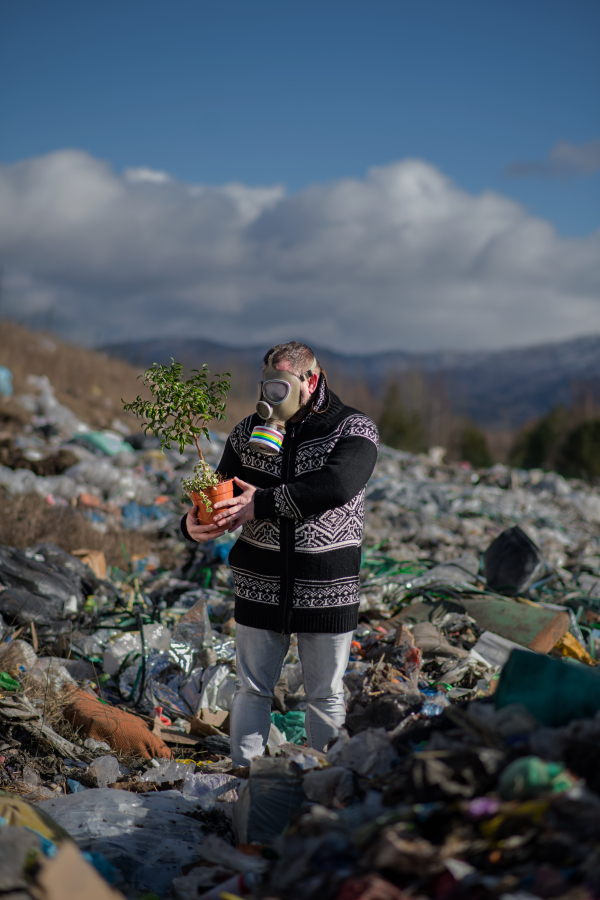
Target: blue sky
266, 92
187, 166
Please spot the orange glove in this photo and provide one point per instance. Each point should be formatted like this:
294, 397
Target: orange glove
121, 730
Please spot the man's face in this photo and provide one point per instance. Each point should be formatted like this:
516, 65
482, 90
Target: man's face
307, 387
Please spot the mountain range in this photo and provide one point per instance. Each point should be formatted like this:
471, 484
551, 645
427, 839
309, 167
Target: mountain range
497, 389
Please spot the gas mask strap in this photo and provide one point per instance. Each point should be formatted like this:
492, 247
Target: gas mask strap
309, 372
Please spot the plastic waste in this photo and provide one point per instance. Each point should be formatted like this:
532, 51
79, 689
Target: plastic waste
495, 649
48, 411
530, 777
267, 800
36, 591
136, 517
17, 653
218, 743
7, 683
130, 831
291, 724
555, 692
107, 442
333, 785
194, 627
218, 688
275, 740
207, 790
105, 770
512, 562
435, 705
127, 647
6, 385
192, 637
368, 753
50, 670
191, 690
75, 786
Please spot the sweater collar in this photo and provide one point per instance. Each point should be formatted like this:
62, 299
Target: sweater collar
322, 395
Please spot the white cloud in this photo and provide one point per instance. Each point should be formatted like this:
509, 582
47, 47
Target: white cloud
566, 160
401, 258
153, 176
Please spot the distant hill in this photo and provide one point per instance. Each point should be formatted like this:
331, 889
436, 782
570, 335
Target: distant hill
502, 389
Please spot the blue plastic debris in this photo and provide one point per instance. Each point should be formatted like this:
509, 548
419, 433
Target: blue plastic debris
6, 386
136, 516
74, 786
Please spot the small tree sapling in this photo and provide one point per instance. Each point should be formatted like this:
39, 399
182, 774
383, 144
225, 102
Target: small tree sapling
180, 412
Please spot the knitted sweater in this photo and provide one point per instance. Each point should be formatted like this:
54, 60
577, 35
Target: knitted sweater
296, 564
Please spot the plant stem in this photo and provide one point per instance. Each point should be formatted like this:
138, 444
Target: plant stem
197, 442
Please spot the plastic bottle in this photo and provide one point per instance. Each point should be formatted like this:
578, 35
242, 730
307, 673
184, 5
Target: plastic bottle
434, 706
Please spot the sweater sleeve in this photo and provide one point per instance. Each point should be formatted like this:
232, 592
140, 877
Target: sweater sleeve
345, 473
230, 465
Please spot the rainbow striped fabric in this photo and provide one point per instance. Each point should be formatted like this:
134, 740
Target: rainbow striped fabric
263, 436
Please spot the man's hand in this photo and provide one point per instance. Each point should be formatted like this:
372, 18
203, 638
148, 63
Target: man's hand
234, 512
198, 532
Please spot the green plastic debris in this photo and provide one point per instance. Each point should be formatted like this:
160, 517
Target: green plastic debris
530, 776
555, 692
291, 724
7, 683
108, 442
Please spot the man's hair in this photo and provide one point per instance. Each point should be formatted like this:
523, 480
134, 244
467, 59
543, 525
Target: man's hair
300, 357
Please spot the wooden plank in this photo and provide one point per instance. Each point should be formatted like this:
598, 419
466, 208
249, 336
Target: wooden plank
551, 633
529, 625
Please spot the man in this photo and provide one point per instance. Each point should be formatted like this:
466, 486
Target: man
296, 564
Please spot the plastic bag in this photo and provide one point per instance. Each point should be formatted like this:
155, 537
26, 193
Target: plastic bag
28, 570
292, 725
108, 443
147, 837
368, 753
512, 563
17, 653
206, 789
20, 607
267, 800
21, 481
51, 670
326, 786
105, 769
218, 688
156, 637
194, 627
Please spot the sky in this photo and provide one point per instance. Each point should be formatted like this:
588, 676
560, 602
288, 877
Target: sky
367, 175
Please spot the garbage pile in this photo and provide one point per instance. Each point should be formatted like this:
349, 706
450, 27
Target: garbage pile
466, 764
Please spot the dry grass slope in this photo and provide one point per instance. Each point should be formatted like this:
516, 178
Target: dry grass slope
88, 382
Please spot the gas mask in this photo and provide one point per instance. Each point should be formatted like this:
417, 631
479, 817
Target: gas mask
279, 402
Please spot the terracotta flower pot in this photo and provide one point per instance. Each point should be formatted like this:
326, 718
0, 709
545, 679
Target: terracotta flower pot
223, 491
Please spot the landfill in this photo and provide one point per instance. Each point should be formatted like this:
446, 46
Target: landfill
466, 767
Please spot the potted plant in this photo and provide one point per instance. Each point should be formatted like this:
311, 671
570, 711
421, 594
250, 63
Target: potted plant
180, 411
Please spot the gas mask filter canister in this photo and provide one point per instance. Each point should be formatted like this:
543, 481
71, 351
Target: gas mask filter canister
279, 402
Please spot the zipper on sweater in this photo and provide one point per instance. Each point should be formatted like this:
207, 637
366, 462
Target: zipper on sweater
288, 526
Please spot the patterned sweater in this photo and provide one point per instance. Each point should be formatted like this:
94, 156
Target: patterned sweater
296, 564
